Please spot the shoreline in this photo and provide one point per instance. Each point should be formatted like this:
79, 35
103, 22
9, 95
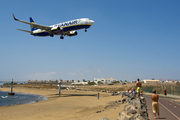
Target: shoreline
20, 98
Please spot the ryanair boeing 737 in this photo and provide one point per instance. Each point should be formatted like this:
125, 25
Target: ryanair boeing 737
64, 29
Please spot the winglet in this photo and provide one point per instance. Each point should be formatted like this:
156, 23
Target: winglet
14, 17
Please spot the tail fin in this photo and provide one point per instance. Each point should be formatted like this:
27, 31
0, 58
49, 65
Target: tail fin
32, 27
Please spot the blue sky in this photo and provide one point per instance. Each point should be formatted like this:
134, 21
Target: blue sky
129, 39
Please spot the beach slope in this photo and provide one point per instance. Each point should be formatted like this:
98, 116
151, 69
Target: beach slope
73, 104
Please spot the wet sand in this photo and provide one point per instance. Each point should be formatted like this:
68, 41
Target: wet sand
73, 104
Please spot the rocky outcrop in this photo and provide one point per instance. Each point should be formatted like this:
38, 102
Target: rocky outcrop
135, 110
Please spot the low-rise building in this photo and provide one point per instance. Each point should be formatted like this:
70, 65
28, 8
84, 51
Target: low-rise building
79, 83
104, 80
151, 81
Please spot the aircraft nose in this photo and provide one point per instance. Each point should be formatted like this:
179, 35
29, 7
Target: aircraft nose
91, 22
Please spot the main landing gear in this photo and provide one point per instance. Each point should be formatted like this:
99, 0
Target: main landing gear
62, 37
85, 30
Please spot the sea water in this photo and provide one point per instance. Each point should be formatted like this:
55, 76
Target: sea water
19, 98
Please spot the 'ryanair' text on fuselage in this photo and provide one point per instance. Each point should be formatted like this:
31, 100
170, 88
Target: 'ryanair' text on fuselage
68, 23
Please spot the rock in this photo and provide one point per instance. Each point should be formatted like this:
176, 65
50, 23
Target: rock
123, 100
128, 107
124, 116
128, 100
98, 111
132, 111
138, 117
144, 108
143, 101
104, 118
145, 115
139, 111
132, 98
136, 103
142, 98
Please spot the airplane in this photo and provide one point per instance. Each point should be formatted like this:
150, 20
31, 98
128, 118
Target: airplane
68, 28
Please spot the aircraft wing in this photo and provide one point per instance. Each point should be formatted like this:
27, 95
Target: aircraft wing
47, 28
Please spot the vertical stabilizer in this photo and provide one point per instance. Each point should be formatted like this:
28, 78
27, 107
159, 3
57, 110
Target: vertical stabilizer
32, 27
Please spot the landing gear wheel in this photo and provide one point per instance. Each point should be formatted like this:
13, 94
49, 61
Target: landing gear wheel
85, 30
61, 37
51, 35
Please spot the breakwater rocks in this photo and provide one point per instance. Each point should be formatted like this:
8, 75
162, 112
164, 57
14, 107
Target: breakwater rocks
135, 110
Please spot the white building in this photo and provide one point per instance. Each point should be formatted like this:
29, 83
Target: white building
151, 81
104, 80
79, 83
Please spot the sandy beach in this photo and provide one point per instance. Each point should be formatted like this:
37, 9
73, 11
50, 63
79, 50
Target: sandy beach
73, 104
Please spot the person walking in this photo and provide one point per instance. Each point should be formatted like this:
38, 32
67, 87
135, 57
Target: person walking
98, 96
138, 87
155, 104
165, 92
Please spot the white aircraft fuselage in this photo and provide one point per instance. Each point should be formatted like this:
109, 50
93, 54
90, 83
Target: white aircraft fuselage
64, 29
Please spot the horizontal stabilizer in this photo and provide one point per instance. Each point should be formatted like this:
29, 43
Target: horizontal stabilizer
25, 31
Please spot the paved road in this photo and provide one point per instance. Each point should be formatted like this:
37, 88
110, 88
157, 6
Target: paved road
168, 109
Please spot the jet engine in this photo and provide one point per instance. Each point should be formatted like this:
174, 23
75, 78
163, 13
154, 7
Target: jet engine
72, 33
58, 28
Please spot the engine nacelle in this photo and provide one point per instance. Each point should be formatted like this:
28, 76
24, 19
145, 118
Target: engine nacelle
72, 33
58, 28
